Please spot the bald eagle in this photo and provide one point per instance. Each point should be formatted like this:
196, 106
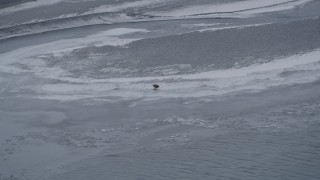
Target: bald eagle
155, 86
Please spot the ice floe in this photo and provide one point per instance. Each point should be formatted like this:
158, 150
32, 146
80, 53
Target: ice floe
303, 68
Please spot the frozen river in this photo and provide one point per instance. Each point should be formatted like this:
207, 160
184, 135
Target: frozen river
238, 99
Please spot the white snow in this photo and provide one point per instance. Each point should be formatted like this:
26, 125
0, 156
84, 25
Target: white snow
295, 69
201, 25
31, 57
121, 31
249, 7
60, 47
232, 27
29, 5
302, 68
123, 6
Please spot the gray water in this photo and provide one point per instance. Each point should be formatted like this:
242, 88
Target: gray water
59, 119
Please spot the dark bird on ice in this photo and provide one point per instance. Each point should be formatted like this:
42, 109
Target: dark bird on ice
155, 86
